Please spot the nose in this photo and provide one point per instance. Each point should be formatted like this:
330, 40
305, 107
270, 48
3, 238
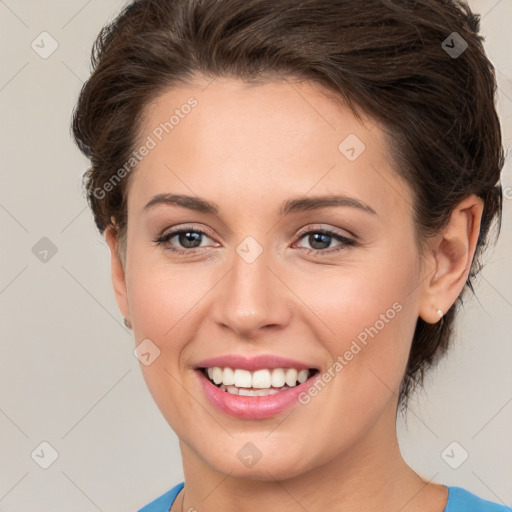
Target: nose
252, 298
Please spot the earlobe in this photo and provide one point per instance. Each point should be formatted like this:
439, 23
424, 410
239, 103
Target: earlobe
117, 273
452, 251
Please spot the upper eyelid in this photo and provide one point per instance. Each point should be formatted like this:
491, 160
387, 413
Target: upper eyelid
179, 229
334, 231
300, 232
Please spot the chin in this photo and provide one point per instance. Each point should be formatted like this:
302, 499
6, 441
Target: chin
254, 461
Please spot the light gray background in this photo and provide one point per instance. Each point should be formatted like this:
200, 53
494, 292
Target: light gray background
67, 372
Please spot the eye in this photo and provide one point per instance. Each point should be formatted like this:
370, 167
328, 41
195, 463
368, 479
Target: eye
320, 240
189, 238
190, 241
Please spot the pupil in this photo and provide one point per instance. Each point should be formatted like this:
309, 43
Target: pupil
188, 238
313, 239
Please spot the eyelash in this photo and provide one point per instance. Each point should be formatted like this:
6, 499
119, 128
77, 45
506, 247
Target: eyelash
346, 243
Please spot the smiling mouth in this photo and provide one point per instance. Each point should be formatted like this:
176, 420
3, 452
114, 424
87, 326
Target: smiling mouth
237, 381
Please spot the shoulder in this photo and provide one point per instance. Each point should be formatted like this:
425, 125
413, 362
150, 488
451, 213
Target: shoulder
461, 500
164, 502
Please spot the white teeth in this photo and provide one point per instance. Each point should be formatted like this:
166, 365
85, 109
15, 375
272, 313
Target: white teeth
217, 375
261, 379
265, 379
228, 377
291, 376
278, 378
302, 376
243, 378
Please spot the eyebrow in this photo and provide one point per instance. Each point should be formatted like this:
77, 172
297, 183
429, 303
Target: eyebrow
317, 202
190, 202
289, 206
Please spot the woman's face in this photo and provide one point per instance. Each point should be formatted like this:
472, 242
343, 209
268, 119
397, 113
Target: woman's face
258, 278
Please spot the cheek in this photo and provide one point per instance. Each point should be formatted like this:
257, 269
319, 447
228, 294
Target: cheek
165, 301
367, 318
163, 298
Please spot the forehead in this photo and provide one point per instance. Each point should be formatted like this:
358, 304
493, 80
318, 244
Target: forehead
230, 141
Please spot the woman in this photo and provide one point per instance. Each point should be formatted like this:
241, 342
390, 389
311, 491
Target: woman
295, 196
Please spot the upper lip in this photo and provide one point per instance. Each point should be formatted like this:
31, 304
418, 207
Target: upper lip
253, 363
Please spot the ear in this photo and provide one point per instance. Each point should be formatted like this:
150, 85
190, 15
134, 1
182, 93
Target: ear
117, 272
451, 254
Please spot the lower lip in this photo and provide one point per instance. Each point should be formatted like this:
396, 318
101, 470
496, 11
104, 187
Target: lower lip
253, 407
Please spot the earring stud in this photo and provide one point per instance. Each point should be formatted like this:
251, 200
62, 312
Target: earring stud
440, 313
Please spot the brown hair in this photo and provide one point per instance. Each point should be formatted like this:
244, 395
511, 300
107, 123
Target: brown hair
389, 58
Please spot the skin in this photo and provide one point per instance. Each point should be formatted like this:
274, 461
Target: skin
248, 149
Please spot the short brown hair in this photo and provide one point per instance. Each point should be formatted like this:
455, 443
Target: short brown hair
389, 58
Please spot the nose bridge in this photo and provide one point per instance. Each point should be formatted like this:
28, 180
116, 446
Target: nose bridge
252, 296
